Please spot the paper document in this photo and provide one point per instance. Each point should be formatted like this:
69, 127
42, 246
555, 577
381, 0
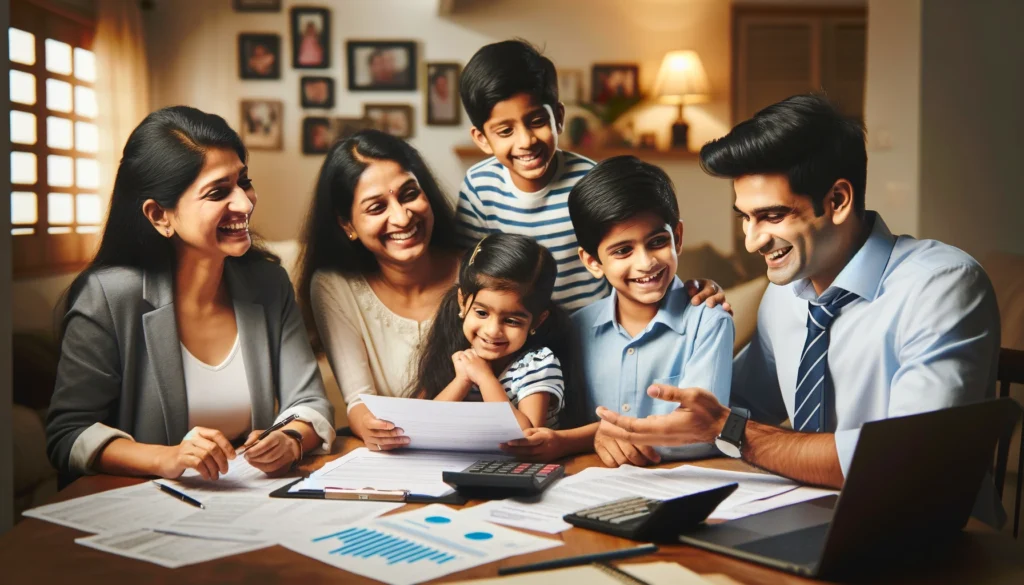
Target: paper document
118, 510
262, 519
418, 472
448, 426
241, 477
657, 573
416, 546
597, 485
167, 550
800, 494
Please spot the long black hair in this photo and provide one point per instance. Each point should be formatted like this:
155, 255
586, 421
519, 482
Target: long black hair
505, 262
162, 157
324, 244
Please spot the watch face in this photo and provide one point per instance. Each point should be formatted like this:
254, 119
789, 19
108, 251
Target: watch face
727, 448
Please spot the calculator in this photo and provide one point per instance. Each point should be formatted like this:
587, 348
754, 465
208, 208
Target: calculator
648, 519
491, 480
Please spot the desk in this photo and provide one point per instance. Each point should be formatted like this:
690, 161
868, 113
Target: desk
37, 552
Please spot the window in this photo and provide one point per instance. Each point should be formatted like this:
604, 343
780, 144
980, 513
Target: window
56, 210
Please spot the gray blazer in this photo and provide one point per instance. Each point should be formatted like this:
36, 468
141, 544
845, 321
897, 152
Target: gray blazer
121, 362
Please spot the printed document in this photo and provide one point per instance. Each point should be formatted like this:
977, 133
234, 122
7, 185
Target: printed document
448, 426
167, 550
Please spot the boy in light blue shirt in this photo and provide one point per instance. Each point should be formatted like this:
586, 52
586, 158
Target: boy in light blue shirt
627, 222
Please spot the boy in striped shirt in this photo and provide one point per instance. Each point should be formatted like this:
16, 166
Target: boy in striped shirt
510, 92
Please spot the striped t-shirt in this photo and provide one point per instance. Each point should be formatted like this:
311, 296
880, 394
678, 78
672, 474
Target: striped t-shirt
537, 371
490, 203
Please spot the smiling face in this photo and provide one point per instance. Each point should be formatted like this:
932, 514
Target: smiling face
496, 323
522, 134
391, 215
212, 215
639, 257
781, 226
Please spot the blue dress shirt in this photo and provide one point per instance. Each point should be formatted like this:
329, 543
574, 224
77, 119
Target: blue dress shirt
923, 335
683, 346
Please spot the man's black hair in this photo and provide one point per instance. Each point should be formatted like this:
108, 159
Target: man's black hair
501, 70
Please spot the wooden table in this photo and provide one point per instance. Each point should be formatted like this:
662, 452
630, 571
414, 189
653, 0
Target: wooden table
37, 552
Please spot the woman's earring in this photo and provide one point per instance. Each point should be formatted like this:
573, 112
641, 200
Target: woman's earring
352, 236
533, 331
168, 233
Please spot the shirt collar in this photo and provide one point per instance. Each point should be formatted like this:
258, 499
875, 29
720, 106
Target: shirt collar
669, 314
862, 275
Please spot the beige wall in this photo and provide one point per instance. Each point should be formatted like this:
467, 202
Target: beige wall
192, 56
892, 112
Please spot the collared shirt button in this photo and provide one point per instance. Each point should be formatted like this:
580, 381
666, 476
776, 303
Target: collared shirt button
625, 407
631, 351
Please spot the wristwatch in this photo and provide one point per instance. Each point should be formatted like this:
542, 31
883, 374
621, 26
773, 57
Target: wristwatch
730, 441
298, 439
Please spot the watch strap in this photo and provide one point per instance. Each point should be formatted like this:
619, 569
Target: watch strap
735, 425
294, 434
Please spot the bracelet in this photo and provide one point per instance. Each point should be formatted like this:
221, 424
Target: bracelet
298, 439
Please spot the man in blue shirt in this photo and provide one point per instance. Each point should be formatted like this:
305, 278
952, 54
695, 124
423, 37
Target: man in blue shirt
857, 325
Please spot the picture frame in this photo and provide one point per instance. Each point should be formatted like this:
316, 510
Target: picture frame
257, 5
262, 126
259, 56
442, 104
381, 65
609, 81
316, 92
319, 133
395, 119
570, 86
311, 37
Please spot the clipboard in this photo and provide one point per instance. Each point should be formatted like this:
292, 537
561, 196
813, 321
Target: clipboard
368, 495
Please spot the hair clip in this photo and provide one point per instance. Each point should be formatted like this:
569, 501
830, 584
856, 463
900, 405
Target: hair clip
476, 251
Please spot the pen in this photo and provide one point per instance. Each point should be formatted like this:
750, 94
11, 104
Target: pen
580, 560
264, 434
184, 498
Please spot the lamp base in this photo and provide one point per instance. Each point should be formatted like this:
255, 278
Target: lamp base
680, 135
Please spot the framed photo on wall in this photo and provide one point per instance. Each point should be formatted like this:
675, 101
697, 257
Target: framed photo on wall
316, 92
613, 81
381, 65
395, 119
311, 38
319, 133
570, 86
259, 56
443, 105
262, 124
257, 5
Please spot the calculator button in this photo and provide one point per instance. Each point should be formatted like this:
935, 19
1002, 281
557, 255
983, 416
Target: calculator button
622, 519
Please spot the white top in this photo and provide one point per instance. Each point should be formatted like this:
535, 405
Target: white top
218, 396
371, 349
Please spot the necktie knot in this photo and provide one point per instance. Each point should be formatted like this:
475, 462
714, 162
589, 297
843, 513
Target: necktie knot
819, 317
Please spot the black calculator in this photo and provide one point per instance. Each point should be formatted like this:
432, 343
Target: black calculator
650, 520
491, 480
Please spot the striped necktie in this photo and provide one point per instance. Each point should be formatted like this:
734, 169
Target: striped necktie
813, 386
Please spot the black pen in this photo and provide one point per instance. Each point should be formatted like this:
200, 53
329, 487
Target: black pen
269, 430
581, 560
184, 498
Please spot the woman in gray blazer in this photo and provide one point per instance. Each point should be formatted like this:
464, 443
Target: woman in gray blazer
181, 322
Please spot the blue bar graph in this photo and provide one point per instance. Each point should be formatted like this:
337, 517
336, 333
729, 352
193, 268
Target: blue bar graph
364, 543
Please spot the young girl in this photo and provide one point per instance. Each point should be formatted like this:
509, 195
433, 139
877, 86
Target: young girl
497, 336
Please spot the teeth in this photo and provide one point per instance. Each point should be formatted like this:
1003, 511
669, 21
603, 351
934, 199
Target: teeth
243, 225
529, 158
647, 279
400, 236
778, 254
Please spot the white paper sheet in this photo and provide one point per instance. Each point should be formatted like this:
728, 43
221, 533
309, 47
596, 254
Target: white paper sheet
240, 478
118, 510
417, 472
262, 519
448, 426
800, 494
424, 544
596, 485
167, 550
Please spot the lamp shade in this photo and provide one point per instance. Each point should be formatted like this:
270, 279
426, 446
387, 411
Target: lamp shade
682, 79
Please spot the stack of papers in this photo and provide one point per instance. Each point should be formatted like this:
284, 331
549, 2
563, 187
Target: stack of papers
448, 426
427, 543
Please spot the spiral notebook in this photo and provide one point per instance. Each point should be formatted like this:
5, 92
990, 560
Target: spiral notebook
658, 573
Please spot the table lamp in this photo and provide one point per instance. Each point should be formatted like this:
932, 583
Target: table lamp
681, 81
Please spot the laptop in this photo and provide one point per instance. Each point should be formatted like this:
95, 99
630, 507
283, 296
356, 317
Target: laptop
910, 489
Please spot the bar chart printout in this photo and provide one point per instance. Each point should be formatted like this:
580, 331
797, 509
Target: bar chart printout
416, 546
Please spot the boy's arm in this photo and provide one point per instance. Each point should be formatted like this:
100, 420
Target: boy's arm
470, 219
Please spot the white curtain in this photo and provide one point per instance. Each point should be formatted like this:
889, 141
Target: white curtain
122, 81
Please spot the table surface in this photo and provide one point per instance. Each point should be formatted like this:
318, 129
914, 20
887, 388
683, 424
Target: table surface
37, 552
